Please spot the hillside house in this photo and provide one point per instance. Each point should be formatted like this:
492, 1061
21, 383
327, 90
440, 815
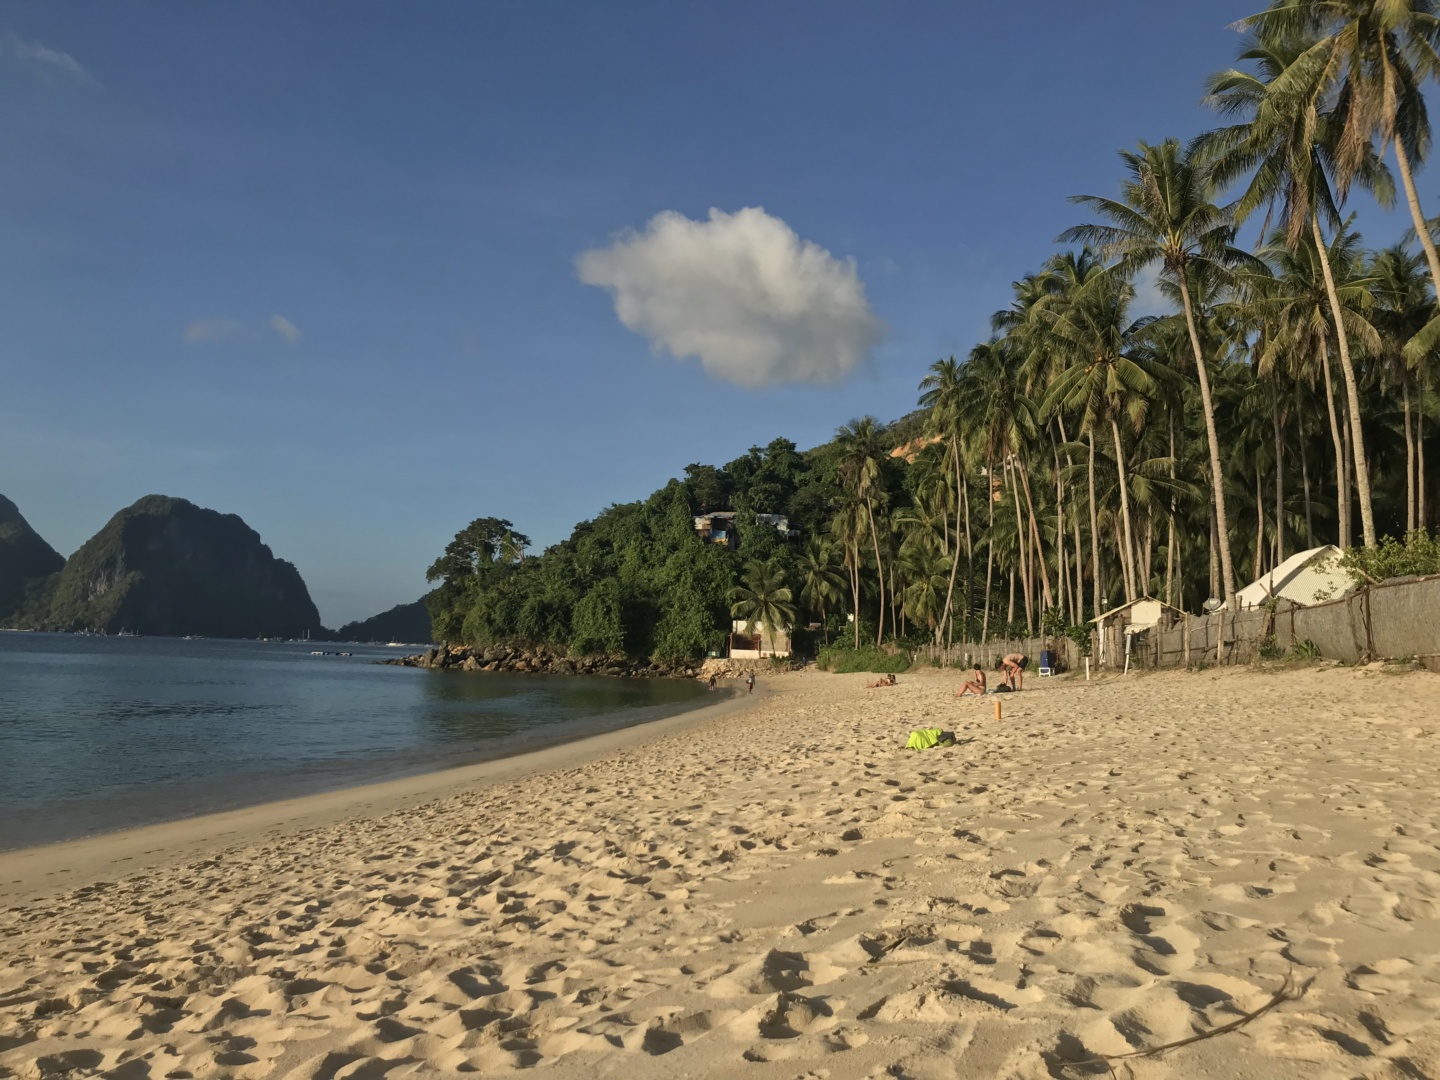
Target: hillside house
719, 527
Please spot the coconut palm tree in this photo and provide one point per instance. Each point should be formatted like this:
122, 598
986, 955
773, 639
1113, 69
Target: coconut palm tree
1376, 56
1286, 142
1403, 304
861, 453
1293, 298
762, 599
820, 581
1104, 381
941, 393
848, 528
1164, 217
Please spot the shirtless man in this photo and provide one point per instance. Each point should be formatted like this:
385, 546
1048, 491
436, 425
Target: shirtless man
1013, 665
975, 685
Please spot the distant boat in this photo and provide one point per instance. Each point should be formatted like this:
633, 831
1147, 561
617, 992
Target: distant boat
127, 633
395, 644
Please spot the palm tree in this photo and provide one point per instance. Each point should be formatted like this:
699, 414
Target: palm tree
926, 571
1105, 381
1285, 144
848, 528
1403, 303
1164, 217
859, 470
1376, 55
820, 583
1293, 298
941, 393
763, 600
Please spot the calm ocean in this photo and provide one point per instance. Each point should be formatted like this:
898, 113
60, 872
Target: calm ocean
99, 734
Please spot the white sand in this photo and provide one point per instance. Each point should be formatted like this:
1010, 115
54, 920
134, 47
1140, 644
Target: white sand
784, 892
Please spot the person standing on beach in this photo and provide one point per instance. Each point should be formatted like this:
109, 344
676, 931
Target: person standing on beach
750, 683
1013, 665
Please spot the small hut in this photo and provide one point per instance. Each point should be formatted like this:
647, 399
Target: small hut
1123, 623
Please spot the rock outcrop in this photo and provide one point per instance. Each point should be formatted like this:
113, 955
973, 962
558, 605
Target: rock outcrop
539, 659
26, 561
167, 566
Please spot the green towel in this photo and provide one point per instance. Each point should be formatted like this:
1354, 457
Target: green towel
926, 737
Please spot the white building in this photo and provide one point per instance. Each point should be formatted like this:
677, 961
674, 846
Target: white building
1307, 577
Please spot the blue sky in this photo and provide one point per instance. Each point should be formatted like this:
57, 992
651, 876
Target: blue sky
317, 264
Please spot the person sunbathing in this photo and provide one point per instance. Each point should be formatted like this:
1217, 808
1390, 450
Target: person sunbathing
1013, 667
974, 685
887, 680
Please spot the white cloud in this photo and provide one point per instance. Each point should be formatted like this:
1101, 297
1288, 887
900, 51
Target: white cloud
43, 60
742, 292
212, 330
203, 330
285, 328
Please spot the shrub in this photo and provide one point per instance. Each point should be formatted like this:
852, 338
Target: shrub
1418, 555
844, 659
1080, 635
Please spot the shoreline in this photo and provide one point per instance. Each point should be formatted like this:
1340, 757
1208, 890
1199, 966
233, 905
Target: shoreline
28, 873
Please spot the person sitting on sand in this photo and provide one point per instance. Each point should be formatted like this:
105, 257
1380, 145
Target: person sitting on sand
883, 681
975, 684
1013, 665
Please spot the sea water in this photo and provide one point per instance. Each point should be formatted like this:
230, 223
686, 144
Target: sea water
104, 733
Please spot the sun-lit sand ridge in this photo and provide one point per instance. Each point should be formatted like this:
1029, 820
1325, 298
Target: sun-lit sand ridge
784, 892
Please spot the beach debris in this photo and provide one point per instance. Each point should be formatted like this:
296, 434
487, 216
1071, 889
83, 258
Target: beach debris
1289, 990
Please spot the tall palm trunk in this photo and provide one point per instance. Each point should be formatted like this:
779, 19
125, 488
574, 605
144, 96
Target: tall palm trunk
1348, 479
1409, 459
1304, 466
1079, 591
969, 560
1217, 473
879, 572
1214, 553
1094, 534
1259, 524
1061, 573
1352, 389
1038, 547
1021, 546
1279, 475
1422, 230
1128, 539
989, 546
1170, 539
1342, 504
1421, 519
852, 565
955, 562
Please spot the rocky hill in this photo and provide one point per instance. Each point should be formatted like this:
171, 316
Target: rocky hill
409, 623
25, 561
167, 566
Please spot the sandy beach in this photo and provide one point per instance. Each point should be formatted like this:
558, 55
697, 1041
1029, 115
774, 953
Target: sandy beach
780, 890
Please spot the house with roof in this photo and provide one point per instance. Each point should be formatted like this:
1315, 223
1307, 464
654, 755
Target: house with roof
1307, 577
719, 527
